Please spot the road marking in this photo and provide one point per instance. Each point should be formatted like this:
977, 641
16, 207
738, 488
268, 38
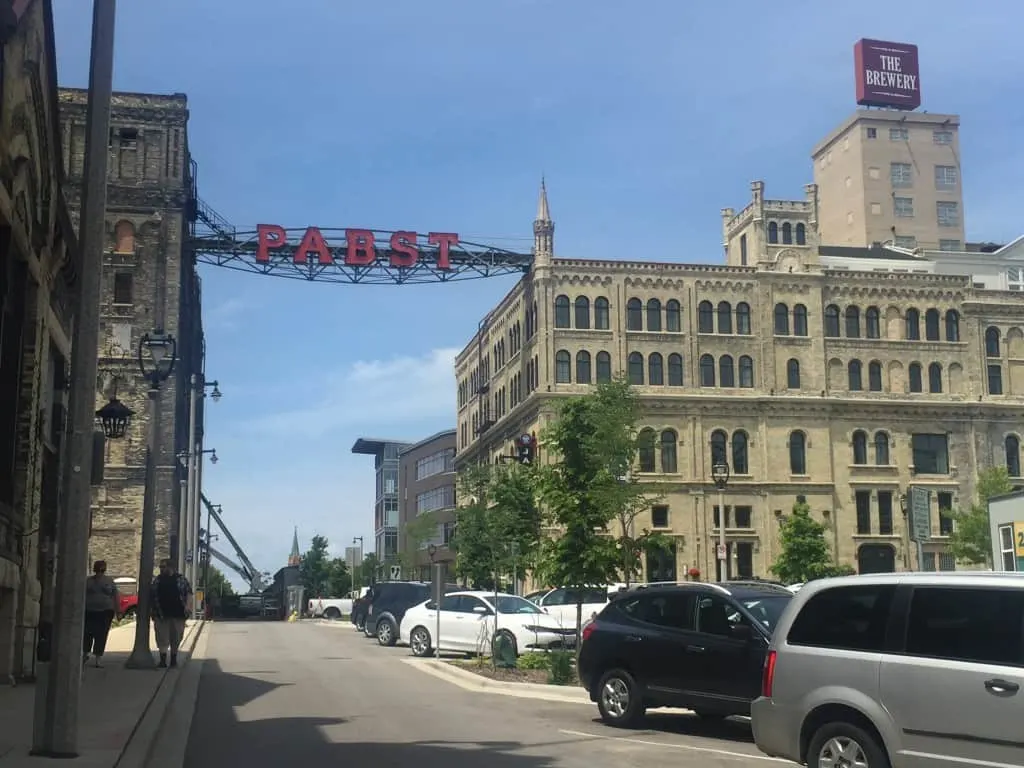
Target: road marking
707, 750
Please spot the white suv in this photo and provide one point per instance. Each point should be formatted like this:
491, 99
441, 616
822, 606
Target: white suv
898, 670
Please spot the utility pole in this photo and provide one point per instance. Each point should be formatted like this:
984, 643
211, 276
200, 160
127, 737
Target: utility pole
57, 733
191, 508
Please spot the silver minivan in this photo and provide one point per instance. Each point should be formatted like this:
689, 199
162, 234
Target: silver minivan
897, 670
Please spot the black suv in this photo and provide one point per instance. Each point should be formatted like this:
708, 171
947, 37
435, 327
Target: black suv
698, 646
387, 602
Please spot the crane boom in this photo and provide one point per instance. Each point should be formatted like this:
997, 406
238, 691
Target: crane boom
254, 577
229, 563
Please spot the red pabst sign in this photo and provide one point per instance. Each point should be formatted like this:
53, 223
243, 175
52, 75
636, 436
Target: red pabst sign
887, 74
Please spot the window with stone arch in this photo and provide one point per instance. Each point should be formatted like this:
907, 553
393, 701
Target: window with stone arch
797, 453
646, 450
1012, 450
673, 316
952, 325
793, 373
582, 310
799, 320
935, 378
655, 369
992, 342
669, 438
562, 315
635, 365
860, 447
124, 237
882, 449
872, 323
601, 320
707, 371
740, 457
675, 370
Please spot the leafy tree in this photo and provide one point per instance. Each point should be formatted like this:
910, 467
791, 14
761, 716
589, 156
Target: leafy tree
591, 445
805, 554
339, 580
630, 501
216, 583
971, 539
315, 568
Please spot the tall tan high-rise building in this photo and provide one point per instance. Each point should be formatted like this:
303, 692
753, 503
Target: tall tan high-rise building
888, 175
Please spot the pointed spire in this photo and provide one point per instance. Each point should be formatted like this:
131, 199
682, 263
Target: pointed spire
543, 230
543, 212
295, 557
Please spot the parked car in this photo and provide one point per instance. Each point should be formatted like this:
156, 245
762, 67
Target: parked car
127, 596
696, 645
560, 603
334, 608
468, 624
387, 602
897, 671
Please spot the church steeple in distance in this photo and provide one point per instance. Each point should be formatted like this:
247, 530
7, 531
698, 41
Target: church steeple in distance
543, 230
295, 558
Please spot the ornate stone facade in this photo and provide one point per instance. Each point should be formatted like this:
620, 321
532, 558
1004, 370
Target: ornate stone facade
843, 388
39, 264
149, 281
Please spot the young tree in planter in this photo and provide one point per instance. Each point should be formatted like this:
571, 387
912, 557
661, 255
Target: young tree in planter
971, 539
314, 568
805, 554
591, 446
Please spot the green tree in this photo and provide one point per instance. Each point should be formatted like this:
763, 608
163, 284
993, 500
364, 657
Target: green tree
339, 580
805, 554
591, 446
215, 582
971, 539
315, 569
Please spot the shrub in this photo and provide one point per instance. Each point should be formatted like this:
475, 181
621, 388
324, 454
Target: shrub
535, 660
560, 671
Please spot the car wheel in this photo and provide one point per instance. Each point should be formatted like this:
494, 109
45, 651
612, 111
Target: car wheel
419, 641
843, 743
386, 632
618, 699
332, 613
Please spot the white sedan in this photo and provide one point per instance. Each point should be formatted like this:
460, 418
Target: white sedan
467, 622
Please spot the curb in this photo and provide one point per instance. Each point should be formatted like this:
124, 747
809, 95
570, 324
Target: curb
138, 751
473, 682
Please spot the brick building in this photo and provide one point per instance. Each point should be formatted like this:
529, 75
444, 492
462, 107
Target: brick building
149, 281
39, 265
426, 483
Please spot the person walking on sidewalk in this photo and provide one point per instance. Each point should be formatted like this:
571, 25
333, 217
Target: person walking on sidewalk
171, 598
101, 604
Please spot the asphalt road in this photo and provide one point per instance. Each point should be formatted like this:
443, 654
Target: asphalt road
276, 694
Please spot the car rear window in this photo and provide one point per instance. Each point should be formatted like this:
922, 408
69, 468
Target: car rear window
849, 618
947, 622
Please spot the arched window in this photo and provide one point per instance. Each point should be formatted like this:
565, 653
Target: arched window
655, 370
719, 446
726, 371
931, 325
832, 321
743, 318
675, 370
724, 317
854, 382
781, 320
563, 367
952, 325
673, 316
562, 319
797, 453
914, 377
913, 325
746, 372
582, 312
1012, 443
992, 342
668, 451
604, 367
601, 320
875, 376
935, 378
882, 449
645, 449
801, 234
706, 317
873, 323
653, 315
792, 373
582, 367
860, 447
799, 320
787, 233
636, 368
773, 232
124, 237
740, 464
634, 315
853, 322
707, 371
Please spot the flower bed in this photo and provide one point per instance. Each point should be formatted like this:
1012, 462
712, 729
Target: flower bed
532, 667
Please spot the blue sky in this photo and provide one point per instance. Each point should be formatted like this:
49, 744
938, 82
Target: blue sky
442, 116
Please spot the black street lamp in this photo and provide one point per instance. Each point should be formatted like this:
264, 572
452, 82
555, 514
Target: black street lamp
114, 418
158, 352
720, 477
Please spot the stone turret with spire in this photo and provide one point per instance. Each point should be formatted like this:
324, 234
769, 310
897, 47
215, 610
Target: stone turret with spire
543, 231
295, 558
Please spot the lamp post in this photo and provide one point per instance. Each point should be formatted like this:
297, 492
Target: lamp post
188, 527
906, 531
720, 476
435, 567
158, 351
206, 556
357, 566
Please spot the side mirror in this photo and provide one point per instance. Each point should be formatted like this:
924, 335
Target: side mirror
480, 610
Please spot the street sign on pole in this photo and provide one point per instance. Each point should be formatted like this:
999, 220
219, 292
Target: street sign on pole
920, 514
721, 551
396, 572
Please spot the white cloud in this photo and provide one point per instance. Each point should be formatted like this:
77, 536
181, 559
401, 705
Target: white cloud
373, 395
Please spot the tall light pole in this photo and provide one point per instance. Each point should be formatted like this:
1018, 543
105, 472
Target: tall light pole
158, 352
189, 525
720, 476
359, 564
55, 730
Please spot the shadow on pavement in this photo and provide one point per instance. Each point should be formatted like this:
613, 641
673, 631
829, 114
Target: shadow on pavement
218, 738
729, 729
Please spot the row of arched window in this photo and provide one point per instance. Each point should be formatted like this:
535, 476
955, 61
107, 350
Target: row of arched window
782, 320
712, 319
733, 450
880, 444
855, 379
852, 325
790, 235
600, 372
655, 316
726, 371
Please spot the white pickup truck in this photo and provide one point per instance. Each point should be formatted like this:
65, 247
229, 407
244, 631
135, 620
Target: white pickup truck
334, 607
561, 602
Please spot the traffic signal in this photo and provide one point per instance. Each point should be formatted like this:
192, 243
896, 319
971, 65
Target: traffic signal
526, 449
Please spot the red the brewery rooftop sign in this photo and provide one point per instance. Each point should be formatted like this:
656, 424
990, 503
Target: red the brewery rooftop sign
887, 74
361, 247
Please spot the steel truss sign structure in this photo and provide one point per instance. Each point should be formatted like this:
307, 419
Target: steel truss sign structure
349, 255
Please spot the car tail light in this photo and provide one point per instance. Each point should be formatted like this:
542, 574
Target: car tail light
588, 630
768, 679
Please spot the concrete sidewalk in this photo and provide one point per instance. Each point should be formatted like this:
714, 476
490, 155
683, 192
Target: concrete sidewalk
114, 702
